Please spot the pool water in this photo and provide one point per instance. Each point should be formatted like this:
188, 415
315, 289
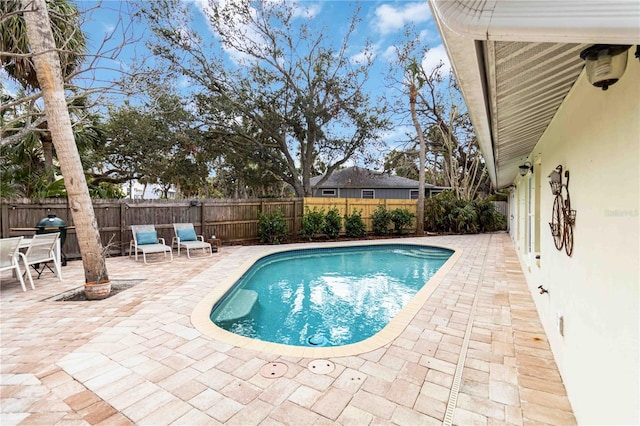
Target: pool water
327, 296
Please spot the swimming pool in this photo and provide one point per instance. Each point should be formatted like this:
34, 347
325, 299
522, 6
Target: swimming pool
300, 344
328, 296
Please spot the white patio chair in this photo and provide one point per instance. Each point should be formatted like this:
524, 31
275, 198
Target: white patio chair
146, 241
40, 252
9, 258
185, 236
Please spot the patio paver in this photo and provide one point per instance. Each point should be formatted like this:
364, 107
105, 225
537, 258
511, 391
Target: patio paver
474, 353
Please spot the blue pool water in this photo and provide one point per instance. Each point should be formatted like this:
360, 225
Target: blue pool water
327, 296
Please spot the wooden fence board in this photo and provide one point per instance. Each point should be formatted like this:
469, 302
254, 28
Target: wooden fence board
365, 206
229, 220
232, 221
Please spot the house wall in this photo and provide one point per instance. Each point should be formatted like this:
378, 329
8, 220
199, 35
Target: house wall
596, 136
380, 193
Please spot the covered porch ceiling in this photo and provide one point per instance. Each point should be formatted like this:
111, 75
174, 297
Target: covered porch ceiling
516, 61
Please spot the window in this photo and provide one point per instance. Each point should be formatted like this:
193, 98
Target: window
414, 194
368, 193
328, 192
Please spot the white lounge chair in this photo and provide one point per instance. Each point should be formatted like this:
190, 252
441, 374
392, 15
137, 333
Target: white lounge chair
40, 252
146, 241
185, 237
9, 258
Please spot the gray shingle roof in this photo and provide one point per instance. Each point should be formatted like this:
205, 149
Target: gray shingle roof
357, 177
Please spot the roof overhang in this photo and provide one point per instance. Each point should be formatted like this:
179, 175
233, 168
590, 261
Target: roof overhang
516, 60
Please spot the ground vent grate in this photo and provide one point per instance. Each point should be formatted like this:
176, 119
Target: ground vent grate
457, 378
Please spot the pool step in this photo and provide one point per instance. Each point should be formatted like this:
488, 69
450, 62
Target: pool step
239, 305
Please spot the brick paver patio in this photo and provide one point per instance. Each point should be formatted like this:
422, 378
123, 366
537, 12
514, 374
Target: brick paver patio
474, 354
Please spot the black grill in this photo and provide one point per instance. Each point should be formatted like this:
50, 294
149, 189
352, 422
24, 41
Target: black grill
51, 224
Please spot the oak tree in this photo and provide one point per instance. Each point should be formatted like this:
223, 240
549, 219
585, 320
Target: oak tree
271, 84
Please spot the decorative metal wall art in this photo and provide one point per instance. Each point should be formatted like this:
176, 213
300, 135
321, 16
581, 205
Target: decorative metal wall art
562, 216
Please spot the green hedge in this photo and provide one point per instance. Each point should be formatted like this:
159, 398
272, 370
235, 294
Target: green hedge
445, 213
354, 226
332, 223
272, 228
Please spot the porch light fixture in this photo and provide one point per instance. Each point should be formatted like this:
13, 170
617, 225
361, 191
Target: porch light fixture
524, 168
605, 63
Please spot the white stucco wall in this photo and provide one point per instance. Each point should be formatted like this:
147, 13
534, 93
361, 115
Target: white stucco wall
596, 136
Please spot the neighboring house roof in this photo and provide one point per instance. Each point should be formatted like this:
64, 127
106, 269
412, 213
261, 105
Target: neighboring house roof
516, 61
357, 177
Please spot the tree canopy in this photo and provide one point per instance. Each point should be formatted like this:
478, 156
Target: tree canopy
290, 100
254, 106
442, 124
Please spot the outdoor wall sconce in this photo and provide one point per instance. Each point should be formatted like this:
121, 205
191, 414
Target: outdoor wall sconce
605, 63
524, 168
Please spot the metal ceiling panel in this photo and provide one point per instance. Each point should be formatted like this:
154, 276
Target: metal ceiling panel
529, 82
517, 60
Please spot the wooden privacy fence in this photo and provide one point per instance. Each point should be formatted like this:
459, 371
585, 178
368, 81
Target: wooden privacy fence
233, 221
502, 207
366, 207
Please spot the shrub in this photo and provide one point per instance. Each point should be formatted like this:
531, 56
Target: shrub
466, 219
354, 226
445, 213
312, 223
272, 228
380, 221
332, 223
489, 219
401, 219
439, 212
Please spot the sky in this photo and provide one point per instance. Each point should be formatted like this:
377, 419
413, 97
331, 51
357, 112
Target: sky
383, 24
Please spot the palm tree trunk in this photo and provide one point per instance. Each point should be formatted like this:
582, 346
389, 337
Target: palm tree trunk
413, 94
49, 74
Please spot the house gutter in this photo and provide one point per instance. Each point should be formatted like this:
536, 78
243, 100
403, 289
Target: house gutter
557, 21
466, 27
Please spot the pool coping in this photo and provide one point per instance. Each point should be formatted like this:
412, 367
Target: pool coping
201, 321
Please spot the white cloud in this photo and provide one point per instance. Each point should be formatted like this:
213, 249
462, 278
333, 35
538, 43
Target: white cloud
390, 54
368, 53
433, 57
391, 18
204, 6
397, 137
306, 11
108, 28
361, 57
235, 25
184, 82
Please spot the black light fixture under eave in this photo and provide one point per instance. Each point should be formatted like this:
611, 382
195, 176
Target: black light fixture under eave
524, 168
605, 63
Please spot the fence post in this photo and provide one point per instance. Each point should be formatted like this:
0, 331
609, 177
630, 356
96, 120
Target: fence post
202, 227
295, 216
5, 221
123, 227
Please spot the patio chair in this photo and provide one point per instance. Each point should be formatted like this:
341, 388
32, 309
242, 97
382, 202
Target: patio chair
186, 238
40, 252
146, 241
9, 258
